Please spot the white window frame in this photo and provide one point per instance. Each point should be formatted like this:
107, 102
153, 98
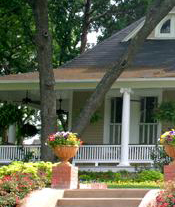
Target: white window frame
170, 35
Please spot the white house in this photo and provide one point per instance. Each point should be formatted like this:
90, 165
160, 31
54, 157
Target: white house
126, 131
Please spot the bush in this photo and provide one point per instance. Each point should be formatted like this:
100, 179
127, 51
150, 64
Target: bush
149, 175
166, 197
16, 186
34, 169
99, 176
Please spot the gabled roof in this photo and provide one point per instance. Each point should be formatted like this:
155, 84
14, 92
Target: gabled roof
153, 54
155, 59
104, 53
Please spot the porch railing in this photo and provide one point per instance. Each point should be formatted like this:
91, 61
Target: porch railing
10, 153
86, 154
111, 154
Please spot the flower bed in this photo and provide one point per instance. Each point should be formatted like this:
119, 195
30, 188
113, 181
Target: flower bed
15, 187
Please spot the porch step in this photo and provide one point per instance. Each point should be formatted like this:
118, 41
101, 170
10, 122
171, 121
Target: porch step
105, 193
104, 202
102, 197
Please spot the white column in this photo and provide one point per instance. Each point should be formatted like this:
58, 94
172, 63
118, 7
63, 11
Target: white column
12, 134
125, 127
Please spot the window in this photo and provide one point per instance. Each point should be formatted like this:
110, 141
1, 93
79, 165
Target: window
147, 108
166, 27
148, 125
115, 120
116, 110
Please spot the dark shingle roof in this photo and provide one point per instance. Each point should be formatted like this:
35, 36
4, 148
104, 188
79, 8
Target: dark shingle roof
154, 53
103, 53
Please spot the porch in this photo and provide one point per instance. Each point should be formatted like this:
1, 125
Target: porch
87, 154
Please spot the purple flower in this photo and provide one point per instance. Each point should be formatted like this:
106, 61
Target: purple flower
172, 132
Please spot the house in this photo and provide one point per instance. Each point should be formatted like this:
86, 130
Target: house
125, 130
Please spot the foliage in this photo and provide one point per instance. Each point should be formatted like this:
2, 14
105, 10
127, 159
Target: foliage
98, 176
34, 169
63, 138
134, 184
166, 197
19, 115
165, 112
149, 175
66, 19
9, 114
16, 186
17, 53
125, 13
160, 158
66, 29
121, 176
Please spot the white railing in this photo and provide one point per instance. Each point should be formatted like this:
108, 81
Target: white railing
97, 153
86, 154
9, 153
111, 154
140, 153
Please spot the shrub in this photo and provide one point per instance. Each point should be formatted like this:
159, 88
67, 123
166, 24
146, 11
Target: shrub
35, 169
167, 196
15, 187
149, 175
99, 176
160, 158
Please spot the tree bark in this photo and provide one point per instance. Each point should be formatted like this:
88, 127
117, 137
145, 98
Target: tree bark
158, 10
85, 27
46, 75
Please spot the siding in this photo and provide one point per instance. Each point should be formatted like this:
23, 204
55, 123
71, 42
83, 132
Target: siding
93, 134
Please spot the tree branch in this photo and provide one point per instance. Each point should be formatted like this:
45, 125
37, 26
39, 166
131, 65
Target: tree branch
111, 10
161, 9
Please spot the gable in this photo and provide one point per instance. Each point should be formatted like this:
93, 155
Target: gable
164, 30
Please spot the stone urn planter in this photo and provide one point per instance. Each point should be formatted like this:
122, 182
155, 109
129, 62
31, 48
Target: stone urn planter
65, 152
65, 146
170, 150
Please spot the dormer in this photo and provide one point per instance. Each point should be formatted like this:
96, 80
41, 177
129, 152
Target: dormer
164, 30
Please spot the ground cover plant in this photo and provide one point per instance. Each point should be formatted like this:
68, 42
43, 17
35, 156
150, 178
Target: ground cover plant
18, 179
166, 197
124, 179
16, 186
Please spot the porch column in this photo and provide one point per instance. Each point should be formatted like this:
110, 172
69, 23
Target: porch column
12, 134
125, 127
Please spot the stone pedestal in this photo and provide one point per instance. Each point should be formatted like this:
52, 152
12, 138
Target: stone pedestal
65, 176
169, 172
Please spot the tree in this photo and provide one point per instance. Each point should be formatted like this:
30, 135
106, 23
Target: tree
17, 52
46, 75
65, 25
157, 11
125, 13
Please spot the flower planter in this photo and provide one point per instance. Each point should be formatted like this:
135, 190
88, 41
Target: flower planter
65, 152
170, 150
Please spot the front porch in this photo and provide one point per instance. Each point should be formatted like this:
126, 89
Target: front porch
87, 154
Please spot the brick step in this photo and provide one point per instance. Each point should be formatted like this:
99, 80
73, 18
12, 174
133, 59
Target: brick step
105, 193
96, 202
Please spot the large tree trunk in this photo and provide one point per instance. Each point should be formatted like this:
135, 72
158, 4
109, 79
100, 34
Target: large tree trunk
46, 75
85, 27
158, 10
